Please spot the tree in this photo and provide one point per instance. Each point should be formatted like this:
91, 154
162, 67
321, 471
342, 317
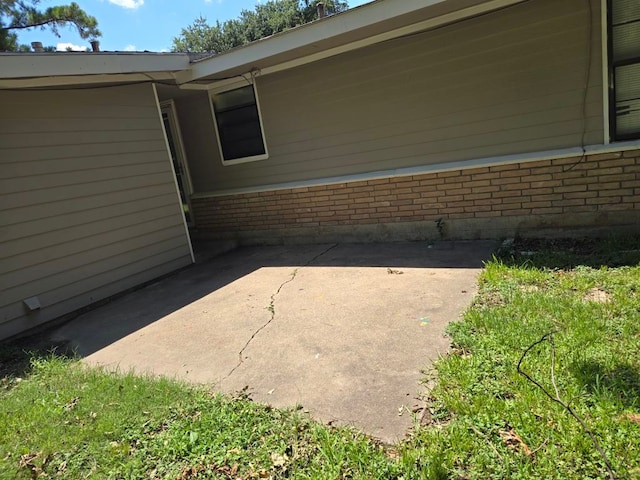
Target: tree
267, 19
18, 15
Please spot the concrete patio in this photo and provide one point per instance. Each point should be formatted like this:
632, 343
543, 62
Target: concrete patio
343, 330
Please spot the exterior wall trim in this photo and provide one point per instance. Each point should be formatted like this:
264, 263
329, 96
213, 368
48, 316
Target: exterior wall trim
604, 30
435, 168
175, 180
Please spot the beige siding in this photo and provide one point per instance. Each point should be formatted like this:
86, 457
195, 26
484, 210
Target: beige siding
88, 203
505, 83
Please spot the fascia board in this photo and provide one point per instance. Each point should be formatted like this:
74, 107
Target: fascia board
30, 65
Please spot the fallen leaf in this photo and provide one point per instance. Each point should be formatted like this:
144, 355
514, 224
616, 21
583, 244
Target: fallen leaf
71, 405
633, 417
513, 440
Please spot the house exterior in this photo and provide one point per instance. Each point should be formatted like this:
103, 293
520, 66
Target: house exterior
396, 120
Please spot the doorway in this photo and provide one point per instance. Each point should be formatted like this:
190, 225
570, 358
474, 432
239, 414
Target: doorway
178, 157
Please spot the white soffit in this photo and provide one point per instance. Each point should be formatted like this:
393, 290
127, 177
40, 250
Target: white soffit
304, 44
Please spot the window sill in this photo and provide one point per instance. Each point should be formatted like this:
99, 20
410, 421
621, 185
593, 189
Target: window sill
237, 161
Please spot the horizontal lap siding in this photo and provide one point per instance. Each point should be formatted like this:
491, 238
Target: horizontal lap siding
88, 203
504, 83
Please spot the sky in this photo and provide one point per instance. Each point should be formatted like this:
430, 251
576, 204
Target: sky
139, 25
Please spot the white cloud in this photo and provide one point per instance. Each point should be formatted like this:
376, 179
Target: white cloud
64, 47
130, 48
128, 3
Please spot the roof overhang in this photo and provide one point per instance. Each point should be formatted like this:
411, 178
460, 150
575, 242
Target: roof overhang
355, 28
372, 23
32, 70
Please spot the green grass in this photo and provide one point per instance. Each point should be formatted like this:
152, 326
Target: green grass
486, 420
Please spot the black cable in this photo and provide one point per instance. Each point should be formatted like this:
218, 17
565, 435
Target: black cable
585, 94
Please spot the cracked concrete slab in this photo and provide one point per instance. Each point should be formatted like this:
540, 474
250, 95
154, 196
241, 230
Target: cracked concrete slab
343, 330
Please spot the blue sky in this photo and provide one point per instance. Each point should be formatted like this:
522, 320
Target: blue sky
137, 25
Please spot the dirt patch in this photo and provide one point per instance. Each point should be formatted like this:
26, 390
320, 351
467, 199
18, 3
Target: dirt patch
529, 288
596, 295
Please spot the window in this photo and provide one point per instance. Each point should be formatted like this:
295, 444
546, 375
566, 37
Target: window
239, 125
624, 68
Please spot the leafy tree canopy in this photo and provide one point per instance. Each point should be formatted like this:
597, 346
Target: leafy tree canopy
268, 18
17, 15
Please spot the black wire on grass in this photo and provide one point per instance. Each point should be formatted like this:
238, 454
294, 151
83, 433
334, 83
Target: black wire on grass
548, 337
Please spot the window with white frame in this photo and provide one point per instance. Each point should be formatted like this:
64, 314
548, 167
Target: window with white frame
624, 68
239, 125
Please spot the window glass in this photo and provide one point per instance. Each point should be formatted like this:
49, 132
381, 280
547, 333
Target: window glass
238, 122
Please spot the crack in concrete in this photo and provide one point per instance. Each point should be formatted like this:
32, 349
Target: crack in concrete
272, 308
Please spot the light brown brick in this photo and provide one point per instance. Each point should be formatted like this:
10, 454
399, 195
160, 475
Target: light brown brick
488, 201
613, 207
515, 173
458, 191
603, 200
378, 181
411, 208
569, 203
515, 212
410, 196
538, 164
430, 182
618, 192
477, 183
508, 206
492, 188
604, 186
487, 176
342, 196
452, 173
447, 210
619, 162
604, 171
488, 214
360, 211
408, 214
516, 186
450, 198
604, 156
380, 215
540, 204
580, 209
476, 171
579, 181
396, 203
505, 181
477, 196
502, 168
458, 179
507, 194
537, 178
359, 195
360, 183
546, 211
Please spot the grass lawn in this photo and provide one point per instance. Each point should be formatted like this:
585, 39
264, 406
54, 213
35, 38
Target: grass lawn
59, 419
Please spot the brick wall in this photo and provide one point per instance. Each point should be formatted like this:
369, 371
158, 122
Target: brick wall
563, 187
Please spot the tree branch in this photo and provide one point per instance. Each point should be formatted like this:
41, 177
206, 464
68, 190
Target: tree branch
549, 337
